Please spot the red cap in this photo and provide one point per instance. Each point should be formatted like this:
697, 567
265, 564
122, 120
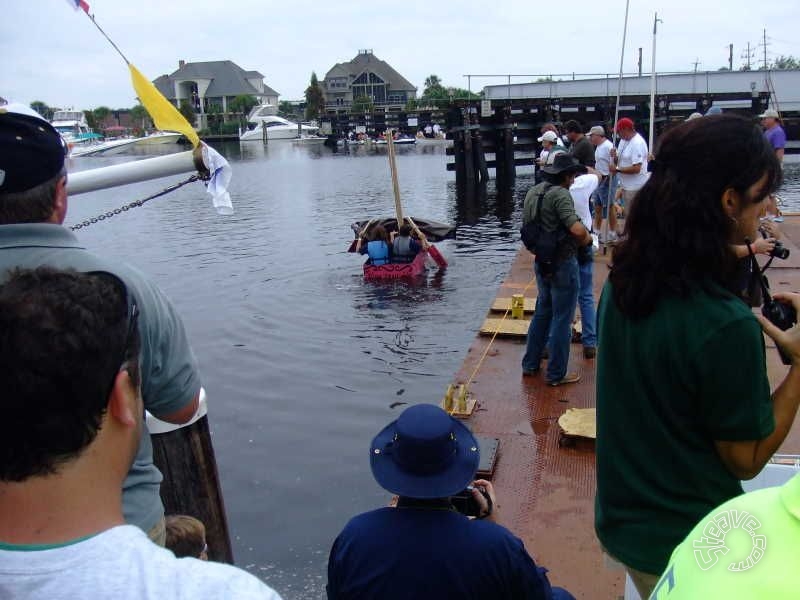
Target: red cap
624, 123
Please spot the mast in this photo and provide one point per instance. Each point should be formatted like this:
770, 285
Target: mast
651, 139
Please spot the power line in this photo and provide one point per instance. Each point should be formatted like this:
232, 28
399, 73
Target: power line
764, 43
748, 55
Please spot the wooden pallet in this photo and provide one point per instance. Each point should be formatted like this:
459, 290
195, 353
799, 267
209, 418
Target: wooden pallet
450, 402
505, 327
577, 423
504, 304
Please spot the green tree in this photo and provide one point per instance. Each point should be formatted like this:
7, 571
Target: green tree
100, 114
785, 62
315, 98
91, 120
42, 108
543, 79
286, 109
432, 81
433, 89
243, 103
187, 110
361, 104
139, 116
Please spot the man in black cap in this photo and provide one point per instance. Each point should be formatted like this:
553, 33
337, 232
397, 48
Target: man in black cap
33, 205
423, 548
557, 277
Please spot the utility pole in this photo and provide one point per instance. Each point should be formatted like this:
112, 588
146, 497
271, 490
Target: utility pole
696, 62
730, 57
764, 43
747, 55
640, 61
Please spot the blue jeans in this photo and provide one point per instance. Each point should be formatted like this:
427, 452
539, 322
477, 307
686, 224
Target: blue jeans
555, 309
600, 196
586, 303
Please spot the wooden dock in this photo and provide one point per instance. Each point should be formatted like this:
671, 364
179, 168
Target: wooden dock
545, 491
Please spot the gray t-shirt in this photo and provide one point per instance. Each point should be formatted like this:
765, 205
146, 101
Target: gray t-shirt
120, 563
170, 378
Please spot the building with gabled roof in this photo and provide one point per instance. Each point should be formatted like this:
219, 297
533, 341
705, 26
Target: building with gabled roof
366, 76
210, 86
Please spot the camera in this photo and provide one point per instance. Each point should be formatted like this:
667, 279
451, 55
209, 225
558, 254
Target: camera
783, 316
780, 251
465, 503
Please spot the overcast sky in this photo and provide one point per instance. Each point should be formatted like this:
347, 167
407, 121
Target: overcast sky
54, 54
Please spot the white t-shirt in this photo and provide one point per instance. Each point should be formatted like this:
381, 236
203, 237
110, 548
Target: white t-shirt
602, 156
629, 153
123, 564
581, 190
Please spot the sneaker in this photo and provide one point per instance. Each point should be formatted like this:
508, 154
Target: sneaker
589, 352
568, 378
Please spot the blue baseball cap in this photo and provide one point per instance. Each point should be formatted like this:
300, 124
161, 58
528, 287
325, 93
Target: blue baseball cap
424, 454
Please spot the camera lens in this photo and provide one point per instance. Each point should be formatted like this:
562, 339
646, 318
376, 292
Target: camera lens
780, 251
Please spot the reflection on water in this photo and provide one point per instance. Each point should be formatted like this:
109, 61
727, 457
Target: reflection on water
302, 359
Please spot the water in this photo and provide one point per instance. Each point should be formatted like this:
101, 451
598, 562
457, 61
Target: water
301, 358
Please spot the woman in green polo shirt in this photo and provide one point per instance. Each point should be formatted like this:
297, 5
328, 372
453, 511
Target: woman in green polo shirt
684, 410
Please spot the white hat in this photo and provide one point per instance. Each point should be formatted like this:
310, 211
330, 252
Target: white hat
769, 113
694, 115
548, 136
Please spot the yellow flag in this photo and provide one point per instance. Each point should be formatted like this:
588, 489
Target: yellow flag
165, 116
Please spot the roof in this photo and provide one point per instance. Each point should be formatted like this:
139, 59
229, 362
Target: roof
368, 61
227, 79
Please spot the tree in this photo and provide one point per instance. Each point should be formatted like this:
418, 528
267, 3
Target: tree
785, 62
286, 108
42, 108
433, 89
187, 111
91, 120
361, 104
432, 81
243, 103
315, 98
139, 116
100, 114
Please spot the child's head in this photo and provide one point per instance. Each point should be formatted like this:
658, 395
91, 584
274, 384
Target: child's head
186, 537
405, 230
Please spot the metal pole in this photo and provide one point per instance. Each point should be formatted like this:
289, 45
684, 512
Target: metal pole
135, 171
651, 139
619, 81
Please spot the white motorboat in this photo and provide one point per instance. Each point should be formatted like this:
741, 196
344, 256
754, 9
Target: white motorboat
277, 128
121, 145
72, 126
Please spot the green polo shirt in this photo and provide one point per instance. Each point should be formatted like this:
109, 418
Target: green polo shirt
668, 386
170, 378
746, 548
558, 209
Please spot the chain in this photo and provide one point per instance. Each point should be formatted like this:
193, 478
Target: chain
134, 204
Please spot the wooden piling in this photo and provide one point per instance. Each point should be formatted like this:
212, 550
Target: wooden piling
191, 486
479, 156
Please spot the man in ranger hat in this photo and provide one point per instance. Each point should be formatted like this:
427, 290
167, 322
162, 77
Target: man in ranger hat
423, 548
33, 206
556, 267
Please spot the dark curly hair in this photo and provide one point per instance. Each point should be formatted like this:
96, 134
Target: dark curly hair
63, 338
677, 235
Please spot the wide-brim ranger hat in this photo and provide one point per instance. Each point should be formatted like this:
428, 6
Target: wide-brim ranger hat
563, 163
31, 150
424, 454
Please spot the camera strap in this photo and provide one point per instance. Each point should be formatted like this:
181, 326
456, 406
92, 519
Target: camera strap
757, 272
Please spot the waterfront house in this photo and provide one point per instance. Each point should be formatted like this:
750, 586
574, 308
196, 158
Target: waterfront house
366, 76
210, 86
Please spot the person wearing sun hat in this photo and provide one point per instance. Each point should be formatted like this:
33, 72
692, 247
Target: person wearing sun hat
423, 547
33, 207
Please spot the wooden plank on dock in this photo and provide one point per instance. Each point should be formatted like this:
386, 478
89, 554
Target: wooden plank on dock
504, 304
517, 328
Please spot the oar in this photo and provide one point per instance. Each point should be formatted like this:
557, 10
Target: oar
432, 250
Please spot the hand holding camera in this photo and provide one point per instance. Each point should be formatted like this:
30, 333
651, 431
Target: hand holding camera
478, 501
779, 322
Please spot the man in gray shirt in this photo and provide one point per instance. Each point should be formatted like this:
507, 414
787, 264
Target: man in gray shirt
33, 205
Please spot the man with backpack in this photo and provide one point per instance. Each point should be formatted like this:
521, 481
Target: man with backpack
553, 231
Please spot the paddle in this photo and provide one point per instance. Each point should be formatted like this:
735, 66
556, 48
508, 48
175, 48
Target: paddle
398, 207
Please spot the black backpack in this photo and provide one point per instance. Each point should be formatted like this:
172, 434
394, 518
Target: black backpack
540, 242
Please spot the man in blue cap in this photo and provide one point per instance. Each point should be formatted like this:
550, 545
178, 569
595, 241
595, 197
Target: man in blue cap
33, 206
423, 547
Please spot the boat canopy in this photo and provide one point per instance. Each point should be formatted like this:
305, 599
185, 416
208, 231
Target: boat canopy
434, 231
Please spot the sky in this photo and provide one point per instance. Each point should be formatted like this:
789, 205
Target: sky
55, 54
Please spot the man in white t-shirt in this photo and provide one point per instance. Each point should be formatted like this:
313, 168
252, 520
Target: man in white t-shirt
72, 417
581, 191
602, 159
630, 161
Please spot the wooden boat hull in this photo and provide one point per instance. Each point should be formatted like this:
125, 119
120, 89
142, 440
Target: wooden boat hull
397, 270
